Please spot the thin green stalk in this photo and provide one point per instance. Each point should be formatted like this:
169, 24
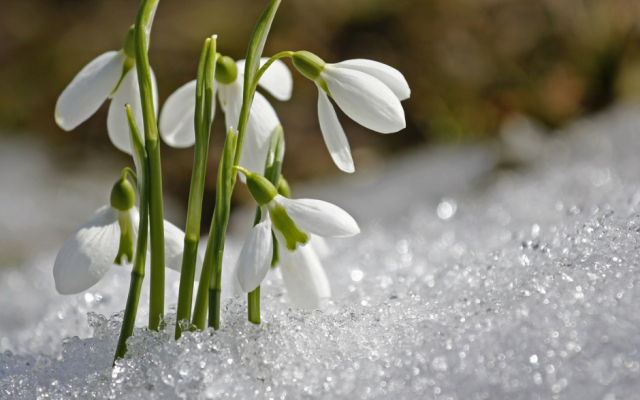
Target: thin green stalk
203, 117
253, 299
221, 218
215, 246
137, 273
272, 171
142, 31
266, 66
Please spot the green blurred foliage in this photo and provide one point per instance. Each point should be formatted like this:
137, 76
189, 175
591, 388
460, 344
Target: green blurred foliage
470, 64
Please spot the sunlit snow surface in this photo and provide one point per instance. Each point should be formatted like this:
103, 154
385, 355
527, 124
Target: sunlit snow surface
512, 285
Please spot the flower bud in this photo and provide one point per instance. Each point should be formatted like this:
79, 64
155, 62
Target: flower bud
261, 189
309, 64
226, 70
123, 195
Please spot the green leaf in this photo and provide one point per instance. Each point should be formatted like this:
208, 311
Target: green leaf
273, 166
258, 39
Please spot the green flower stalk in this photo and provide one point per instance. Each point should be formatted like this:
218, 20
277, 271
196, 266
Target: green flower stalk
137, 273
141, 35
273, 170
203, 117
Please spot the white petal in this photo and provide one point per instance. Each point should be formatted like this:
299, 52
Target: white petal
304, 277
89, 89
262, 121
177, 117
277, 79
88, 253
319, 217
365, 99
174, 249
384, 73
231, 103
128, 93
334, 136
320, 246
255, 258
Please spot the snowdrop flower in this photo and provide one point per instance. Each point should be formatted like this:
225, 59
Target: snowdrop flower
111, 75
176, 120
292, 221
367, 91
109, 238
303, 275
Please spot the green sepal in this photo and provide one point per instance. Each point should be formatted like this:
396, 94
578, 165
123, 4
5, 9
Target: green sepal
123, 195
226, 70
308, 64
283, 223
257, 42
125, 249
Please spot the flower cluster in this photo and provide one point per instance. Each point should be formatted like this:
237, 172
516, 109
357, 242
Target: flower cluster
288, 232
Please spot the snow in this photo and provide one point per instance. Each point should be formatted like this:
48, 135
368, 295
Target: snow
518, 283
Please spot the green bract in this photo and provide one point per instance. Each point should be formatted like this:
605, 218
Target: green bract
226, 70
129, 47
123, 195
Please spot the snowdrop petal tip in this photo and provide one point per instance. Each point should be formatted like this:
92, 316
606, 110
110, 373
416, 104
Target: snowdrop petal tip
365, 99
255, 257
388, 75
176, 119
89, 89
333, 134
88, 253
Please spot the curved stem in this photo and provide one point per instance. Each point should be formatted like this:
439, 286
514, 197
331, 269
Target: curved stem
152, 144
128, 171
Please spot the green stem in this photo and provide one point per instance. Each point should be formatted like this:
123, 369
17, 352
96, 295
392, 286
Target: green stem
254, 306
212, 265
152, 144
204, 105
221, 218
247, 100
266, 66
132, 175
137, 273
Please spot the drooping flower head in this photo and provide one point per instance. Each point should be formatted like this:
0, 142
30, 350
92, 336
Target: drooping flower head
292, 222
367, 91
110, 75
177, 116
109, 238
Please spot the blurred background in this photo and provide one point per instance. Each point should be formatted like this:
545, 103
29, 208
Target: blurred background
474, 66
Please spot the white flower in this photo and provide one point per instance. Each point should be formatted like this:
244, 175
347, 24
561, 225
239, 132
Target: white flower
91, 250
177, 117
304, 278
101, 79
293, 222
367, 91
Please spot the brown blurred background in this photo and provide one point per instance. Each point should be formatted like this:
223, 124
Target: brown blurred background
470, 63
